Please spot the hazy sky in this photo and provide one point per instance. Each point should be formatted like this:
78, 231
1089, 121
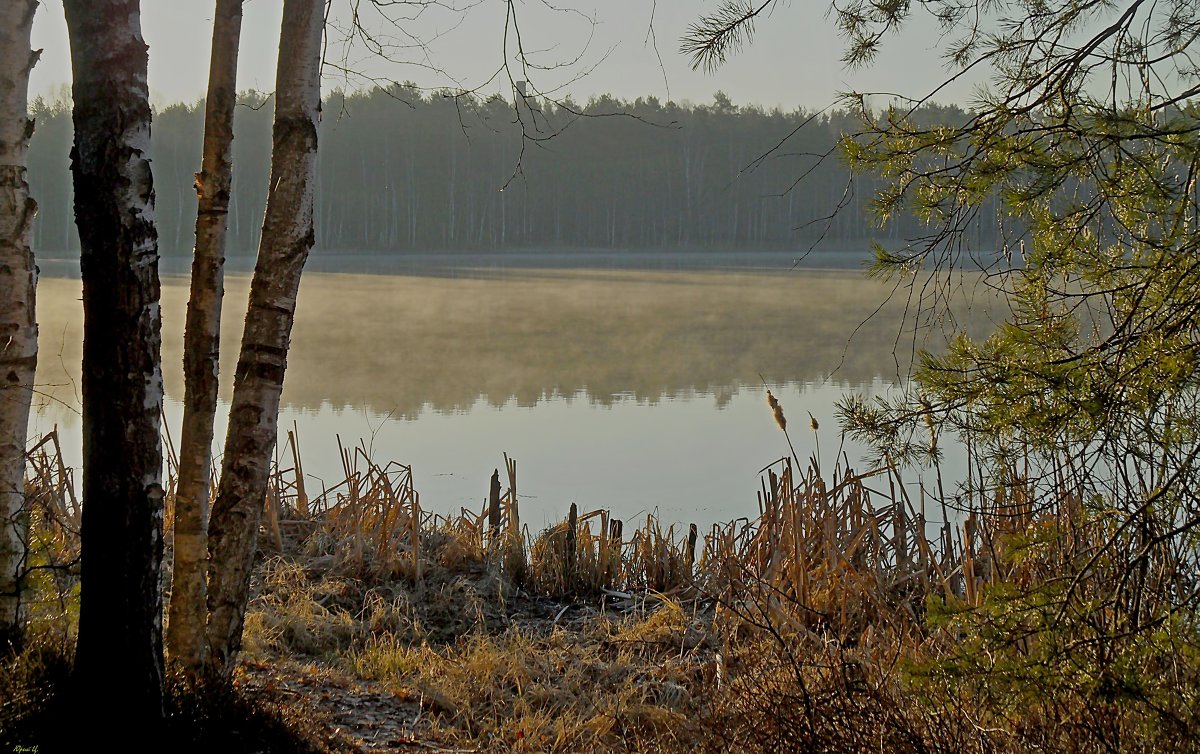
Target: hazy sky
795, 59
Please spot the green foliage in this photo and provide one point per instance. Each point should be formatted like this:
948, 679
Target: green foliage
1080, 413
1049, 658
1092, 382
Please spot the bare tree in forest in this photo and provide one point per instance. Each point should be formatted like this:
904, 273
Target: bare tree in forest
202, 338
287, 237
120, 620
18, 329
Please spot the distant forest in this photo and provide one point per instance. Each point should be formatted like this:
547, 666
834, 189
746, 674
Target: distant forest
403, 171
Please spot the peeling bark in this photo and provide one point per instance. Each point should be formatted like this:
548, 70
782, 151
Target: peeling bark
120, 617
201, 347
287, 237
18, 328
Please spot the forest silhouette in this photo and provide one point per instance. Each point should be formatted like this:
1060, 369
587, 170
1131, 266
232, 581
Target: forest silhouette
401, 170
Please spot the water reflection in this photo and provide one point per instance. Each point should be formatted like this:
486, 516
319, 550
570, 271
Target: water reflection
628, 388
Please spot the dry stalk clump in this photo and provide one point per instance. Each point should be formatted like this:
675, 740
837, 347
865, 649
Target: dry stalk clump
293, 614
825, 557
581, 556
813, 695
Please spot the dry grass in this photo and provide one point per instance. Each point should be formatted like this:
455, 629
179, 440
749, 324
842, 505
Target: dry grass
582, 688
589, 636
833, 621
488, 665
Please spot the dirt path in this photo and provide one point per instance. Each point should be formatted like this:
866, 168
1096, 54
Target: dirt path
367, 716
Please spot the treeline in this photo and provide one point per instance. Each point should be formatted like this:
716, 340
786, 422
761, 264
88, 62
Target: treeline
404, 171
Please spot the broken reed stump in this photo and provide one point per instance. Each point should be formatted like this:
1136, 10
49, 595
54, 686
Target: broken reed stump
301, 493
514, 518
569, 561
414, 531
615, 530
693, 535
494, 508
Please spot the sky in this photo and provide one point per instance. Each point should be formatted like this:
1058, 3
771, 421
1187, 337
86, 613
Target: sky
627, 48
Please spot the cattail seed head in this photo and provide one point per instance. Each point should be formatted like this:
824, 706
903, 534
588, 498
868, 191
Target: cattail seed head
926, 412
777, 410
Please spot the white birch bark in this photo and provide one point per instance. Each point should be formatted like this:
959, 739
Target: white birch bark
18, 328
120, 613
287, 237
201, 347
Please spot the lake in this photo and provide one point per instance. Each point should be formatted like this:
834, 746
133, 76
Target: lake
628, 386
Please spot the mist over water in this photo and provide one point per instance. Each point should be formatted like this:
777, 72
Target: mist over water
632, 389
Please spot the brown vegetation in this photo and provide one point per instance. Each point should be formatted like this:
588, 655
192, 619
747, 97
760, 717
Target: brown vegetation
839, 619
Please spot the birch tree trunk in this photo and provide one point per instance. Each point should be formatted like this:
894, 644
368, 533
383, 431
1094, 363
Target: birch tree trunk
287, 237
201, 347
120, 615
18, 328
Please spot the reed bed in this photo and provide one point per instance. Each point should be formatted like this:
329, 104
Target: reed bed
841, 617
840, 553
815, 541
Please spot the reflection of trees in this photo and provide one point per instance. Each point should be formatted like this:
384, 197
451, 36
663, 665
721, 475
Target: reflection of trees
393, 343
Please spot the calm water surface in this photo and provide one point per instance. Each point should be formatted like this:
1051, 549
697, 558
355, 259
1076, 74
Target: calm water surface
635, 390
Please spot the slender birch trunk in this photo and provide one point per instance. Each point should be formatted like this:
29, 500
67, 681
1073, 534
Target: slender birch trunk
18, 328
287, 237
120, 615
201, 347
